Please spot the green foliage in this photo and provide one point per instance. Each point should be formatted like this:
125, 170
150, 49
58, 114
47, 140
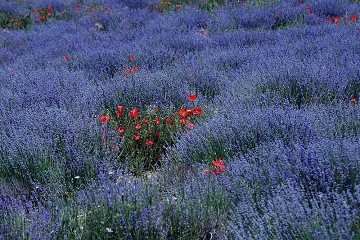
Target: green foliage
15, 22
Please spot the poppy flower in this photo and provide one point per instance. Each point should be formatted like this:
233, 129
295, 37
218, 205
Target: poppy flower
35, 10
191, 125
89, 9
43, 18
146, 121
196, 111
336, 19
102, 9
206, 171
137, 69
136, 137
149, 143
189, 112
134, 113
301, 2
132, 58
178, 5
219, 163
192, 97
120, 129
278, 12
169, 121
119, 114
22, 45
156, 134
353, 18
184, 120
49, 7
67, 58
138, 127
49, 14
157, 121
77, 7
309, 9
129, 72
353, 100
167, 3
121, 108
182, 113
104, 119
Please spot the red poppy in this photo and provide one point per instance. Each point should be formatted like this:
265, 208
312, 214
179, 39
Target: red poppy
189, 112
43, 18
121, 108
182, 113
67, 58
157, 121
110, 4
132, 58
178, 5
336, 19
149, 143
192, 97
353, 100
77, 7
136, 138
49, 7
35, 10
156, 134
184, 120
104, 119
353, 18
169, 121
206, 171
196, 111
120, 129
119, 114
309, 9
137, 69
191, 125
89, 9
167, 3
138, 127
301, 2
102, 9
130, 72
219, 164
134, 113
22, 45
278, 12
146, 121
49, 14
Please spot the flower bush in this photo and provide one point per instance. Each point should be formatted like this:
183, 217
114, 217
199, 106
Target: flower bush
143, 137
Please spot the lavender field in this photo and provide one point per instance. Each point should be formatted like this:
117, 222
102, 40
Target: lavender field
185, 119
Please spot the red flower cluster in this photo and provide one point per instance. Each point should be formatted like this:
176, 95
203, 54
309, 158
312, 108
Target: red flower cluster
104, 119
130, 71
219, 167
